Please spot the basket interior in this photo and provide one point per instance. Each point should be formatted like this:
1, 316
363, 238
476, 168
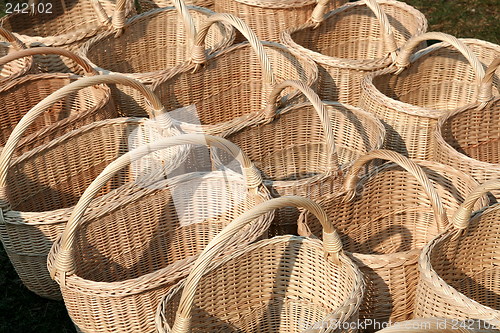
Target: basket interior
231, 84
283, 286
150, 43
468, 263
354, 33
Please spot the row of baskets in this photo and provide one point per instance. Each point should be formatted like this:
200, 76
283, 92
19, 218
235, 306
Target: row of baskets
125, 208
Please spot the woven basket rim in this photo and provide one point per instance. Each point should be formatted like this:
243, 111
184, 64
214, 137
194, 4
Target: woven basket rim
273, 4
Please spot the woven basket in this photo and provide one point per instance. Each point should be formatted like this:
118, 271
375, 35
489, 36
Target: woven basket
283, 284
16, 68
354, 40
468, 138
146, 5
69, 24
385, 219
18, 96
229, 90
439, 325
303, 149
268, 18
410, 96
459, 268
152, 45
139, 262
39, 188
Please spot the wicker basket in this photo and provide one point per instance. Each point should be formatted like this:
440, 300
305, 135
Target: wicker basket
229, 90
411, 96
16, 68
268, 18
152, 45
439, 325
303, 149
354, 40
137, 263
284, 284
68, 25
386, 219
39, 188
18, 96
468, 138
459, 268
146, 5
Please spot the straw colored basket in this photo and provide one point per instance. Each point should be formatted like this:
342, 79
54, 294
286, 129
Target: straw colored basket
283, 284
137, 263
410, 96
268, 18
438, 325
18, 96
303, 149
152, 44
146, 5
39, 188
459, 269
16, 68
65, 23
468, 138
229, 89
385, 218
354, 40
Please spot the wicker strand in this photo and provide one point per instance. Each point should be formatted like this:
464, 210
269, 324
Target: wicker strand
100, 12
12, 39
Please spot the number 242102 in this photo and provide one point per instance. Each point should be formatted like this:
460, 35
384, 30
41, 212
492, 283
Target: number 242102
26, 8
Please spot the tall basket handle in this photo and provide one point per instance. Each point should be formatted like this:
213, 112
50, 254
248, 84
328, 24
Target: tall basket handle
486, 88
199, 56
403, 59
390, 44
416, 171
331, 243
7, 152
50, 50
272, 107
461, 218
64, 263
13, 40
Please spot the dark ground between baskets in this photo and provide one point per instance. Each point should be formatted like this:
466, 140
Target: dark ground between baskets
23, 311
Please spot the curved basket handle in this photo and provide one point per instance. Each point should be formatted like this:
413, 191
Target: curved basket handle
199, 57
13, 40
461, 218
27, 120
272, 107
50, 50
403, 58
332, 246
64, 263
390, 44
352, 179
486, 88
187, 19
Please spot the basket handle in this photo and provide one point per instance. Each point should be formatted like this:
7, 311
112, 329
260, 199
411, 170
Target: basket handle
199, 56
461, 218
331, 243
352, 179
8, 151
13, 40
403, 59
272, 108
390, 44
486, 88
50, 50
64, 263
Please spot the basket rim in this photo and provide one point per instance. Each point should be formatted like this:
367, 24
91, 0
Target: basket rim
273, 4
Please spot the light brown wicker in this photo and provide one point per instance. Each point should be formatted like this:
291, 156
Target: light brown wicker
68, 25
143, 245
16, 68
39, 188
304, 148
439, 325
229, 90
268, 18
354, 40
145, 5
469, 137
410, 96
18, 96
459, 268
282, 284
385, 219
152, 44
